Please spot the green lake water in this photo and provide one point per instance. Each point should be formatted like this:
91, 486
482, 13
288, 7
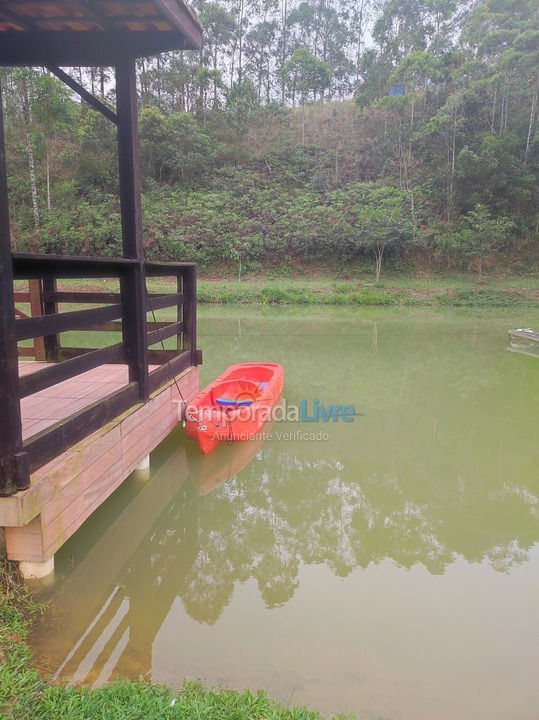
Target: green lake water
390, 569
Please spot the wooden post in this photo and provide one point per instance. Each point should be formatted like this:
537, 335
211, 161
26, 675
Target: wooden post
133, 285
179, 313
190, 312
36, 310
14, 472
50, 307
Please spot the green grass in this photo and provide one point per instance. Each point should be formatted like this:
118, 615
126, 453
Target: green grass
421, 290
26, 695
434, 291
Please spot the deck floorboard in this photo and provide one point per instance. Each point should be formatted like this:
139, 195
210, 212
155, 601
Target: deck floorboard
58, 402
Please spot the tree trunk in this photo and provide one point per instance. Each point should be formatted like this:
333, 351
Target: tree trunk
48, 170
27, 115
240, 42
379, 256
283, 41
532, 118
493, 116
215, 76
453, 165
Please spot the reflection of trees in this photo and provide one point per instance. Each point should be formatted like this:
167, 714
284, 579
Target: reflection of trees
416, 481
265, 527
443, 465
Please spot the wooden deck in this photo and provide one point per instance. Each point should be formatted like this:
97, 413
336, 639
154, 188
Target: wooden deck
58, 402
67, 490
524, 335
72, 430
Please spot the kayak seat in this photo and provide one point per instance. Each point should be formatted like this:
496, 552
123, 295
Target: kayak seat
233, 403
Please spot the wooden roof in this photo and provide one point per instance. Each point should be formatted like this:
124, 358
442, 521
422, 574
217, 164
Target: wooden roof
93, 32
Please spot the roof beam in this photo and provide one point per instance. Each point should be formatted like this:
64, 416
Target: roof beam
71, 48
119, 18
181, 18
84, 94
92, 14
14, 19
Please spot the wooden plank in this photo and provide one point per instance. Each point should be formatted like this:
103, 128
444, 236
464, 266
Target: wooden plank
71, 48
25, 542
165, 301
90, 298
170, 270
164, 333
31, 265
63, 322
181, 17
58, 372
52, 442
22, 297
68, 353
528, 335
24, 23
159, 357
83, 93
169, 371
14, 473
26, 352
114, 326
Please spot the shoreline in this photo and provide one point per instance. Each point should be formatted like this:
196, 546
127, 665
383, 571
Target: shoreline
27, 694
437, 291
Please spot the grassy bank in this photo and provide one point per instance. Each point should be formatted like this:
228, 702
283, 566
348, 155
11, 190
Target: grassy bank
457, 291
26, 695
427, 291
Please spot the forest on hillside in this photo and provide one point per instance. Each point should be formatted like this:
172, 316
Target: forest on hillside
320, 132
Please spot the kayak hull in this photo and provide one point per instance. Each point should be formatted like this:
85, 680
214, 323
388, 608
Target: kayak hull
235, 406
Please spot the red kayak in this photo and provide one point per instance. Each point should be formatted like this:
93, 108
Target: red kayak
235, 406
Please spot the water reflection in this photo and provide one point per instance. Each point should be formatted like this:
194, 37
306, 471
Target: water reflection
436, 486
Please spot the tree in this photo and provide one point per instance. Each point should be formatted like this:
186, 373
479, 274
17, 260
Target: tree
304, 74
377, 218
219, 26
174, 148
482, 234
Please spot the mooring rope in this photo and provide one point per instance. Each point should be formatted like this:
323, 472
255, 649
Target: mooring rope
163, 344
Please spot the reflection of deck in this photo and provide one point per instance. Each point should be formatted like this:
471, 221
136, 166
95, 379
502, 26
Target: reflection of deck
58, 402
105, 621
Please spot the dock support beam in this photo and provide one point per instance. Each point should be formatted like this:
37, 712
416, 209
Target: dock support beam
133, 285
14, 470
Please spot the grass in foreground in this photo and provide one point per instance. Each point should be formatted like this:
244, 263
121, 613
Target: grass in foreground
26, 695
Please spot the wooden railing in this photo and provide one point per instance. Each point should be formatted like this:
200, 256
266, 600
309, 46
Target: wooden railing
115, 313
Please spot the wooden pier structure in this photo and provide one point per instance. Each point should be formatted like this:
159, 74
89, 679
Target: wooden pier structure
76, 421
524, 341
526, 335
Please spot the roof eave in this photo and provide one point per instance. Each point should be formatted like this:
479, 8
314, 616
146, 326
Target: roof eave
90, 48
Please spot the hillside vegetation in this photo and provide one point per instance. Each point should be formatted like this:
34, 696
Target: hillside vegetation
303, 135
